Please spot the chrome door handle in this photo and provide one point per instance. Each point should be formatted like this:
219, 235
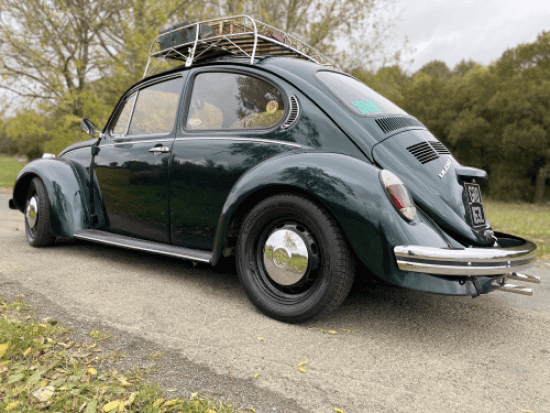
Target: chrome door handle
160, 149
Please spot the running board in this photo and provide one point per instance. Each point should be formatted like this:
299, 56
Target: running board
117, 240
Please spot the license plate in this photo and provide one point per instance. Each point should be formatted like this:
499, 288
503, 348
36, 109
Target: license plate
475, 204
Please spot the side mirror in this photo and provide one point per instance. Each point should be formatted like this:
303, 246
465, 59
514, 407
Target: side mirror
87, 127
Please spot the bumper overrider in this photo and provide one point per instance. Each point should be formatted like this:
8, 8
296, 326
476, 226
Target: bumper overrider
503, 261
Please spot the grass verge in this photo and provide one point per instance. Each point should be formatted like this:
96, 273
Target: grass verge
42, 370
524, 220
9, 168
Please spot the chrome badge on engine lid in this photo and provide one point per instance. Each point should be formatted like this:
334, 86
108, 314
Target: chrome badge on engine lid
475, 205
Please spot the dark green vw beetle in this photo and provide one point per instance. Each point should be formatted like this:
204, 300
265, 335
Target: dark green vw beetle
254, 148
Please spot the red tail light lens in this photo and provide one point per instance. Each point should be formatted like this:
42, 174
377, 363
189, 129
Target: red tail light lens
398, 194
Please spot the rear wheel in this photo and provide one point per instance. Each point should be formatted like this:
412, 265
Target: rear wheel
37, 215
293, 260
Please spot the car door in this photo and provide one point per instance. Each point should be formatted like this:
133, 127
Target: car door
230, 123
132, 166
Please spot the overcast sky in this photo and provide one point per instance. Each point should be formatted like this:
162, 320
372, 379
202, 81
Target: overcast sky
481, 30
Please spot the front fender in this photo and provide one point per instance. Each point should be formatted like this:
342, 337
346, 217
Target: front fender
351, 190
67, 193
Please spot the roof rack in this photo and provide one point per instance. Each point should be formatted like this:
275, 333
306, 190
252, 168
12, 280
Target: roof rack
238, 36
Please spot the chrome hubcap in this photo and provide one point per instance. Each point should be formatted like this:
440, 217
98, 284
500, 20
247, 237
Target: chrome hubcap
31, 212
286, 256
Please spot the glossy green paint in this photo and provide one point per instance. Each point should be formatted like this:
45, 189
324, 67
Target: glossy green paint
350, 189
441, 197
67, 192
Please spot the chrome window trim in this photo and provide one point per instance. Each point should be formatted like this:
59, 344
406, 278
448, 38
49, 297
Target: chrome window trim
296, 145
135, 91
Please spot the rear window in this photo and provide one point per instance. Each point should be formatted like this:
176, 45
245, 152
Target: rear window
356, 96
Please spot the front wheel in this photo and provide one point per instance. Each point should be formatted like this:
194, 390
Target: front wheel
37, 215
293, 260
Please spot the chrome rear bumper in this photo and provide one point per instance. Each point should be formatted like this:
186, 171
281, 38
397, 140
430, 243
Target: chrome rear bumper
469, 262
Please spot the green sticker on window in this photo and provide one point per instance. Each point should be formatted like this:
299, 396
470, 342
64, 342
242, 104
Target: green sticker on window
367, 106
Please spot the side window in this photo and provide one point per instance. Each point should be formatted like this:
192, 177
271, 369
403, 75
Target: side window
156, 107
233, 101
153, 112
124, 118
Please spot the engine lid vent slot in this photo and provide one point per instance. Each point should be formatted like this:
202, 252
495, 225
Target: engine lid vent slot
423, 152
439, 148
293, 113
390, 124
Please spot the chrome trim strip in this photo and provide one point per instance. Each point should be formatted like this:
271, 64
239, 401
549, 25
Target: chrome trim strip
134, 247
296, 145
129, 141
465, 262
78, 149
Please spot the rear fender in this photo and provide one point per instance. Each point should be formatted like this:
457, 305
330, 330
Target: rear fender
67, 192
350, 189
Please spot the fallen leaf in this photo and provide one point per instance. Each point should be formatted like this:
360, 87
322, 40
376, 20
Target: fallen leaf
345, 330
44, 394
3, 348
92, 406
27, 351
92, 371
11, 406
336, 409
194, 395
43, 383
131, 399
302, 369
158, 401
112, 405
333, 332
526, 411
256, 375
82, 406
210, 411
93, 345
302, 363
250, 409
260, 338
170, 403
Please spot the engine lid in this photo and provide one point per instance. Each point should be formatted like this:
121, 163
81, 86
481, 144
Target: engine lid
437, 182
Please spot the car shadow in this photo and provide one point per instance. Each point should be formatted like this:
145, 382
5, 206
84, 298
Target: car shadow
372, 309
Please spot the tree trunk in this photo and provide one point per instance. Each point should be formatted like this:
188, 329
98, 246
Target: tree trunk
540, 183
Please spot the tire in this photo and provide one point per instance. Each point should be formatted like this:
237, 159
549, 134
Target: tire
277, 281
37, 215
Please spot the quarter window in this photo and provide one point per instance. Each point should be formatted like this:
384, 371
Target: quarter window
233, 101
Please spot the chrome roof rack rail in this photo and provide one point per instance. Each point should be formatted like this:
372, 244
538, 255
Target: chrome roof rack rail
237, 35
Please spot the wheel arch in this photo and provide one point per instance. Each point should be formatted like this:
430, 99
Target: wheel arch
334, 183
66, 194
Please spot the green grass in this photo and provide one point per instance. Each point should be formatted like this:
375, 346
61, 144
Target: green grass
9, 168
42, 370
524, 220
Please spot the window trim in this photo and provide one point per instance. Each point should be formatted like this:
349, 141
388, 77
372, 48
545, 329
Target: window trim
191, 86
135, 90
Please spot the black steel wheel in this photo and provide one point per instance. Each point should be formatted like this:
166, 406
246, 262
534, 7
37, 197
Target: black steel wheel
293, 260
37, 215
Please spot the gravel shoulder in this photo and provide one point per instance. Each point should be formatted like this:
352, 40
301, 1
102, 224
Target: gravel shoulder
395, 350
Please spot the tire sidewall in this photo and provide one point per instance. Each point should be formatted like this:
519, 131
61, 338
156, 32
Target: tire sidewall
292, 208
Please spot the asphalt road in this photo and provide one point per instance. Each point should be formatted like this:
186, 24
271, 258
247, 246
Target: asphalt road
405, 351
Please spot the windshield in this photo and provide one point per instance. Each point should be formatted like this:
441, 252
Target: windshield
356, 96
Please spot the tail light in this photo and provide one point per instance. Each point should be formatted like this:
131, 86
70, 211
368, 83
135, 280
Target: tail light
398, 194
